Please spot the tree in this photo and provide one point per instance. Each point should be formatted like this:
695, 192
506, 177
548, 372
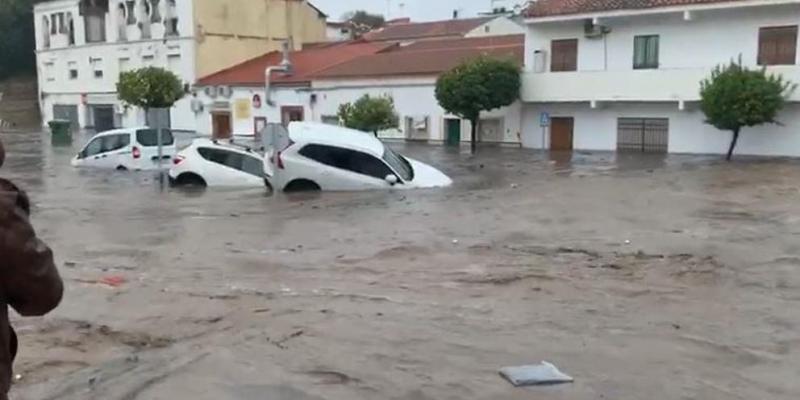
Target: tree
363, 22
369, 114
150, 88
17, 33
735, 97
482, 84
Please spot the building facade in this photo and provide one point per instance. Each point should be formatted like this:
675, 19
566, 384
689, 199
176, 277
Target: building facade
83, 45
605, 77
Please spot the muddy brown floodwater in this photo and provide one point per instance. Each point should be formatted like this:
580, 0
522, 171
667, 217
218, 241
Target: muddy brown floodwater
642, 277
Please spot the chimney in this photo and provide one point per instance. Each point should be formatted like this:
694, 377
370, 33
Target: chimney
455, 14
287, 62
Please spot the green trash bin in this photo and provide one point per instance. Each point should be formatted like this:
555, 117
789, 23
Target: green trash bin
61, 131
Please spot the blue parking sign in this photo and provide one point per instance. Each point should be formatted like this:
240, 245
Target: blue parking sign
544, 120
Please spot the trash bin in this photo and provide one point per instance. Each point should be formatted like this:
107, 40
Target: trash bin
61, 131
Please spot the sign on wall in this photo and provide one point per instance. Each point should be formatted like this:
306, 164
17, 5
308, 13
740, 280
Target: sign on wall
241, 108
256, 101
544, 120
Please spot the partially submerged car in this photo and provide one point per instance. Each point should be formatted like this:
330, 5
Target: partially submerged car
316, 156
127, 149
211, 163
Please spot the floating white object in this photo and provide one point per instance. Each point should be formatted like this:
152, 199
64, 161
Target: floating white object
540, 374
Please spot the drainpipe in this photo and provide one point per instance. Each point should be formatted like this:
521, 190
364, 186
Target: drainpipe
285, 67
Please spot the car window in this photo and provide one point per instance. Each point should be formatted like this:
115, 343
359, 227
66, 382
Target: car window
149, 137
351, 160
94, 147
399, 164
115, 142
241, 162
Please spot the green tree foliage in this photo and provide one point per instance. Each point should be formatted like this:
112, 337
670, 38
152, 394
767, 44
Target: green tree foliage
735, 97
482, 84
149, 87
369, 114
16, 38
363, 22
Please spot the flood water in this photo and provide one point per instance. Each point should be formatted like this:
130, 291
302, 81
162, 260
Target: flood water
636, 274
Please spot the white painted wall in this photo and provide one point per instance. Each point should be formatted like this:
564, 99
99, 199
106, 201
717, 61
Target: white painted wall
413, 97
496, 27
688, 50
56, 87
596, 129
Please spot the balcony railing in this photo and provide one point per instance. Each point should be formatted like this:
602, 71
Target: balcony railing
680, 84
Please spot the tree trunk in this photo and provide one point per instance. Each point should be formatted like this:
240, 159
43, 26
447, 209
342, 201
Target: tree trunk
734, 140
474, 135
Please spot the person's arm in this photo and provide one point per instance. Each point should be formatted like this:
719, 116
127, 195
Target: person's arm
29, 278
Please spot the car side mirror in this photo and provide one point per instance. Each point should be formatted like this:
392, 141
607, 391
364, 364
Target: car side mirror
391, 179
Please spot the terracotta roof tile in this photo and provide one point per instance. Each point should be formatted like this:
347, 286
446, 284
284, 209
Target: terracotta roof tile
305, 63
448, 28
546, 8
428, 58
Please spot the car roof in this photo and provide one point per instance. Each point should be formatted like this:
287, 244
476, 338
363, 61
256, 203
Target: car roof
119, 131
213, 143
332, 135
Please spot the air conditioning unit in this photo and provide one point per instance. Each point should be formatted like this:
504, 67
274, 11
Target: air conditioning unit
210, 91
594, 31
224, 91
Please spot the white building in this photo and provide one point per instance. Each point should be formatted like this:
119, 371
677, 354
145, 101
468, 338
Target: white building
83, 45
612, 77
325, 77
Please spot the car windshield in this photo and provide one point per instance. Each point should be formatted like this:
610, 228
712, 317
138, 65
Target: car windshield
149, 137
399, 164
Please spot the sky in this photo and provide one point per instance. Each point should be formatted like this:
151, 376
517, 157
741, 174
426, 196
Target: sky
417, 10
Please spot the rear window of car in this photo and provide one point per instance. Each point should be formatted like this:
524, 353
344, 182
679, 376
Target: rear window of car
238, 161
149, 137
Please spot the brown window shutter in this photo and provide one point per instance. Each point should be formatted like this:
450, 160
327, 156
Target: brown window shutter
777, 45
564, 55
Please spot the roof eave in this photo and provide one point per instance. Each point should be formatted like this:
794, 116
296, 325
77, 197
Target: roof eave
657, 10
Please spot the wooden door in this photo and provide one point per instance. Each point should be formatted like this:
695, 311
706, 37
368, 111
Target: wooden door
221, 124
561, 130
291, 113
453, 131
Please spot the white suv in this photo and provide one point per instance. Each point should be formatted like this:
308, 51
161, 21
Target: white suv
126, 149
211, 163
325, 157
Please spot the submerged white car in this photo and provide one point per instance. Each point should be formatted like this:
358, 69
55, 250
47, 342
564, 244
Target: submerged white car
317, 156
126, 149
211, 163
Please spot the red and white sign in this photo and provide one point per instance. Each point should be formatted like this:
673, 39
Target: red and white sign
256, 101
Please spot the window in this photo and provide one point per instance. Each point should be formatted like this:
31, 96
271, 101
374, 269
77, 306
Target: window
777, 45
131, 15
564, 55
149, 137
148, 61
73, 70
70, 29
54, 24
48, 71
231, 159
92, 148
645, 52
124, 64
155, 16
174, 62
399, 163
97, 67
350, 160
115, 142
95, 28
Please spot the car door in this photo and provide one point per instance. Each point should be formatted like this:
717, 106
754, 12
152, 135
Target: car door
230, 168
147, 140
89, 156
343, 169
116, 151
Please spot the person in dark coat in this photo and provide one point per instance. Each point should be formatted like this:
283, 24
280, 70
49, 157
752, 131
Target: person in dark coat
29, 280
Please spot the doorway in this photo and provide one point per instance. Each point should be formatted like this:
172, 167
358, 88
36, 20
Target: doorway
291, 113
259, 124
453, 128
561, 133
66, 112
221, 125
646, 135
103, 117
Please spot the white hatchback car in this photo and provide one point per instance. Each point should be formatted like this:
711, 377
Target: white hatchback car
326, 157
211, 163
126, 149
